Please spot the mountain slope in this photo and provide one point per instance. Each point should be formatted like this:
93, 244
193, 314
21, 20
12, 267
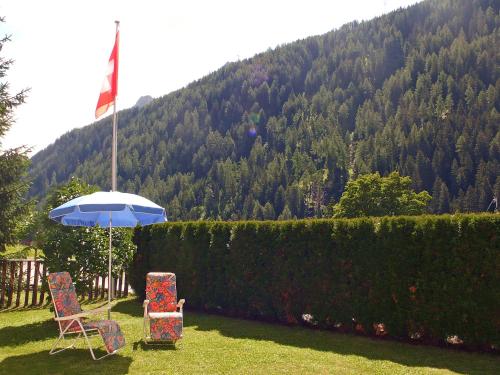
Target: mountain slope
278, 135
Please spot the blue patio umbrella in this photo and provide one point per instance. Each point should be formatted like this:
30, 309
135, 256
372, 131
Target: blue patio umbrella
109, 210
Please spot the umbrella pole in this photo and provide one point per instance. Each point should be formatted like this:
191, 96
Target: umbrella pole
110, 281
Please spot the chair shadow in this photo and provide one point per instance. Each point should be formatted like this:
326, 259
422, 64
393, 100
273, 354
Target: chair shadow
67, 362
412, 355
406, 354
152, 347
19, 335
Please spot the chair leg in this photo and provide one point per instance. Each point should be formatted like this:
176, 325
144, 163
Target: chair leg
92, 351
147, 332
61, 336
149, 341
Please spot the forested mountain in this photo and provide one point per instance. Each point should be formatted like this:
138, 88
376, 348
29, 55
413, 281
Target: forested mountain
279, 135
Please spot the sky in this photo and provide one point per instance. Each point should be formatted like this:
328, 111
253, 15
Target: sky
61, 49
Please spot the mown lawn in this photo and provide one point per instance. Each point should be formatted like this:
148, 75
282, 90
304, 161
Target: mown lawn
218, 345
20, 252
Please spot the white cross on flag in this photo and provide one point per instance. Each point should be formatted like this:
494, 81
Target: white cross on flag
109, 88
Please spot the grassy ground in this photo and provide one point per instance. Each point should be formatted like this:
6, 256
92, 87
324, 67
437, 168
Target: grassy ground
20, 252
217, 345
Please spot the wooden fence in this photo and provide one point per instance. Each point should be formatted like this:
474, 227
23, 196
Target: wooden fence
22, 279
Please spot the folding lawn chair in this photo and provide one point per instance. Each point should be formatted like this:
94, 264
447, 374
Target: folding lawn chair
72, 320
163, 317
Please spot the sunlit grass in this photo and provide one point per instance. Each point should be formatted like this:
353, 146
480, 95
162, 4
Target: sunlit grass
217, 345
20, 251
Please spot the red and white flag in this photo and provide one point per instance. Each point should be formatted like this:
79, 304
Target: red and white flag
109, 88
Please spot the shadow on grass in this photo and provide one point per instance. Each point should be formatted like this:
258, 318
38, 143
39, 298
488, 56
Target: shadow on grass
74, 361
48, 304
132, 307
162, 347
25, 308
339, 343
19, 335
347, 344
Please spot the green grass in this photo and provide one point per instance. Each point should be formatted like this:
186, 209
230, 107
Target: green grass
217, 345
20, 252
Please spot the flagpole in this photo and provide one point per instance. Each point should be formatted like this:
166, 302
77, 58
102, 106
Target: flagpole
115, 138
114, 153
110, 278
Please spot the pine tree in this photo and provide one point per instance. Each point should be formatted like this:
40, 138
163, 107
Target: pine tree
286, 214
444, 199
420, 97
258, 211
13, 162
268, 212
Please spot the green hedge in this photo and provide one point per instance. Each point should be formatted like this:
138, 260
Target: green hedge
426, 276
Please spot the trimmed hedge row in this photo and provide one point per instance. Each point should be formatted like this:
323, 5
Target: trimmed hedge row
424, 277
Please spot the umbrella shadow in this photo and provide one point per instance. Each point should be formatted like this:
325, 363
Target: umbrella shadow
132, 307
74, 361
406, 354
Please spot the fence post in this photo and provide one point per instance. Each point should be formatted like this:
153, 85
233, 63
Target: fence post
2, 286
120, 280
42, 289
103, 280
35, 285
125, 292
91, 287
19, 284
11, 283
28, 279
96, 290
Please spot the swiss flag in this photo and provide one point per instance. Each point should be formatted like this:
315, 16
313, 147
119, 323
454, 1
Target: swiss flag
109, 88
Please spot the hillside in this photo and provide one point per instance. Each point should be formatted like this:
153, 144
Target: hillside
278, 135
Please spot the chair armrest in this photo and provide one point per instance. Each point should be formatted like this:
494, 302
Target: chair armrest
84, 313
180, 304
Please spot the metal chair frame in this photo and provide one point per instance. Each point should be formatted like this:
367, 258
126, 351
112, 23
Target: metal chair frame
146, 330
83, 331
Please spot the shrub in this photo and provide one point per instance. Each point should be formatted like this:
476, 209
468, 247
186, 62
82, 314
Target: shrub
426, 277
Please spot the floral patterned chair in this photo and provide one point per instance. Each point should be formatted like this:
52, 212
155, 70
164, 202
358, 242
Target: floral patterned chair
72, 320
163, 317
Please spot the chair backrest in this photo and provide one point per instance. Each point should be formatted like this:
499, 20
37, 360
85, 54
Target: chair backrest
63, 295
161, 291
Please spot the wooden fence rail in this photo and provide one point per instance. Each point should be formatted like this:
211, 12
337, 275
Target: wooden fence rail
27, 275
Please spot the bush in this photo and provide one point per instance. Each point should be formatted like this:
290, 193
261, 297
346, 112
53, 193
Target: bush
424, 277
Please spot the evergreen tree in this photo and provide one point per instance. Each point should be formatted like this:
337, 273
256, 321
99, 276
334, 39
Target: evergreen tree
290, 126
444, 199
13, 162
286, 214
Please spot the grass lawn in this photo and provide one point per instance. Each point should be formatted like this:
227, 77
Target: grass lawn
20, 252
217, 345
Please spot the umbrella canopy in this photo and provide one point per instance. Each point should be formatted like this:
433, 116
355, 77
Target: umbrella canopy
107, 209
